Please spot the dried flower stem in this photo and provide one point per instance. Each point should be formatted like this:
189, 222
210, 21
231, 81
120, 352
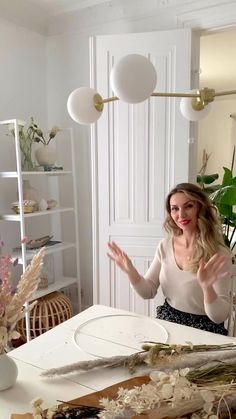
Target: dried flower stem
169, 359
221, 373
114, 361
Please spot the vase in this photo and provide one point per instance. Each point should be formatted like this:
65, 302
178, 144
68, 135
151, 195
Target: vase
46, 155
29, 192
26, 155
8, 372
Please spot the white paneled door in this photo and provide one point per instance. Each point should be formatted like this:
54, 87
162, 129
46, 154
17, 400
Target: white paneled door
138, 153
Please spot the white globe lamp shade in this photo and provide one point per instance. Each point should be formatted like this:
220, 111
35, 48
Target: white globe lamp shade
191, 114
80, 106
133, 79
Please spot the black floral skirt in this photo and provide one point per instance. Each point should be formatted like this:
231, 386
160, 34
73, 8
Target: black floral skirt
166, 312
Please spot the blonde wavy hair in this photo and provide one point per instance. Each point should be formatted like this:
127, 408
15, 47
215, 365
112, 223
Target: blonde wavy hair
209, 237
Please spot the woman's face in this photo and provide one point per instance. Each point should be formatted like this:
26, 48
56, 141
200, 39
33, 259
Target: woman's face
183, 211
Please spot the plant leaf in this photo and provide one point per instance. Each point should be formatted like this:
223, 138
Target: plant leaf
207, 179
227, 178
225, 195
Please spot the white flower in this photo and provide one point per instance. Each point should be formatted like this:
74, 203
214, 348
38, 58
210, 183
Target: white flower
36, 402
167, 391
51, 412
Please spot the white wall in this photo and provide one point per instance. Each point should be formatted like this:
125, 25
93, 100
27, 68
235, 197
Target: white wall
68, 68
23, 73
23, 94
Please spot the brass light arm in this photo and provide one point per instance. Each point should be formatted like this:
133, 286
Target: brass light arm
164, 94
99, 101
199, 99
110, 99
226, 93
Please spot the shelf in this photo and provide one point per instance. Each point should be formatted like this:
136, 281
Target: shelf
61, 253
49, 250
56, 286
16, 217
38, 173
12, 121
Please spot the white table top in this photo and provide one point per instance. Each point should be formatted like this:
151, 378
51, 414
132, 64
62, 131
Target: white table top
57, 347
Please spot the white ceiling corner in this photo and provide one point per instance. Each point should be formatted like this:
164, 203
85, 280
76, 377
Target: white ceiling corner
44, 15
55, 7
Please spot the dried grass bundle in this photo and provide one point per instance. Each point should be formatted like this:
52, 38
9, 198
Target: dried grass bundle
159, 355
12, 300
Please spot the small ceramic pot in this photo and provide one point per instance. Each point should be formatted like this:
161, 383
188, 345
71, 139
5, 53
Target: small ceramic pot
46, 155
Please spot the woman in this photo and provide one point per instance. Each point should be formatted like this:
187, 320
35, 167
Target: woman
192, 265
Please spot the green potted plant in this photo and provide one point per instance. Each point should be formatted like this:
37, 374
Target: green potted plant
223, 197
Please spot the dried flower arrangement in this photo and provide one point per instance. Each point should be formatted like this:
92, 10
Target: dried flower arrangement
39, 136
34, 134
176, 388
13, 299
29, 136
205, 393
170, 394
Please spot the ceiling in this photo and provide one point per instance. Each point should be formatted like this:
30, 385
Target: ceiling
55, 7
49, 17
38, 14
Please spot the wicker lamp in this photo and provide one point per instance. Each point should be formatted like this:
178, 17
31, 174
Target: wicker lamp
50, 310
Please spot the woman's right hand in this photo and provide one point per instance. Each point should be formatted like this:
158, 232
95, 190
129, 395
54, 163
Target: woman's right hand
120, 258
123, 261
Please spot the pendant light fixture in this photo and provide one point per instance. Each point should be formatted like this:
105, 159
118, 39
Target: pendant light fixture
133, 80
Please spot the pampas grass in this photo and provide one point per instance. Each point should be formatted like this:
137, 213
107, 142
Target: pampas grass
13, 300
161, 356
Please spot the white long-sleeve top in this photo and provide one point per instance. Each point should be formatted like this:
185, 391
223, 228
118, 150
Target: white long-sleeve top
181, 288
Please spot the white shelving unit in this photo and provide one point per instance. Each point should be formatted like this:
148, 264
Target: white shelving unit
24, 256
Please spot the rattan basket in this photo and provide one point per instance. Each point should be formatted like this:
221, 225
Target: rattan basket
50, 310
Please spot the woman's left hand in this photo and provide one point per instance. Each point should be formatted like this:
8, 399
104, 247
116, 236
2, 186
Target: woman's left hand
211, 271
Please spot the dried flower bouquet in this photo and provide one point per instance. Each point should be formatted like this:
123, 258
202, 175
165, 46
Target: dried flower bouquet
13, 299
29, 135
177, 388
190, 393
173, 395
